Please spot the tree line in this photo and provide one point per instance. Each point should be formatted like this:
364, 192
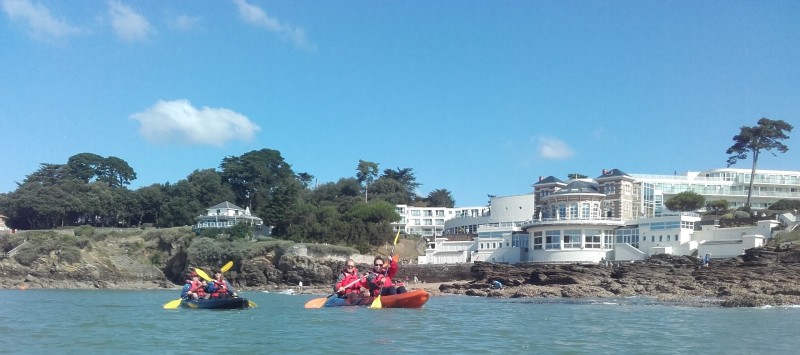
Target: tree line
93, 190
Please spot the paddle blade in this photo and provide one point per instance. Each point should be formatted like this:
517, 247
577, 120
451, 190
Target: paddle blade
227, 266
203, 274
376, 303
397, 236
173, 304
315, 303
251, 304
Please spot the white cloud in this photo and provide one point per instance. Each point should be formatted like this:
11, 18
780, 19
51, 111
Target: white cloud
257, 16
186, 22
39, 20
178, 120
128, 24
553, 148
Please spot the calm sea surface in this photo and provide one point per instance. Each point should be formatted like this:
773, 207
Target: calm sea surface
90, 322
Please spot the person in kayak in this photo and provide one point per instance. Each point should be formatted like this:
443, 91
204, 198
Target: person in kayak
190, 287
197, 289
349, 284
379, 280
223, 287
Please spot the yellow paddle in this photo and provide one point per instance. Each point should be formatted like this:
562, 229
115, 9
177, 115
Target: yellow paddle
227, 266
203, 274
377, 302
173, 304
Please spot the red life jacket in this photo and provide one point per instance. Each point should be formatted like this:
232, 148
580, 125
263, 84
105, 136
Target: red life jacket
347, 279
195, 286
222, 288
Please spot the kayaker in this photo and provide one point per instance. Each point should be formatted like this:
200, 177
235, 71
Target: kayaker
196, 287
379, 279
224, 288
349, 284
187, 287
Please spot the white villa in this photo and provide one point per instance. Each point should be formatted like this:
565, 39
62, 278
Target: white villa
614, 217
226, 215
3, 226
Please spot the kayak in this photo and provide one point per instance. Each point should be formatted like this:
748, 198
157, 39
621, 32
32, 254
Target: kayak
410, 299
217, 303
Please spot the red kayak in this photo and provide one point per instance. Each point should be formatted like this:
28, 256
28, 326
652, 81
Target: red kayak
410, 299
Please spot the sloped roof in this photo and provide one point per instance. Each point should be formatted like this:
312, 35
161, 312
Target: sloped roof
578, 186
227, 205
613, 173
549, 180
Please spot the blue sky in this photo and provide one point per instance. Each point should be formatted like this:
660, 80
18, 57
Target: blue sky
478, 97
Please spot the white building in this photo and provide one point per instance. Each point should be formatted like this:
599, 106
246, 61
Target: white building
482, 234
615, 216
429, 222
769, 186
226, 215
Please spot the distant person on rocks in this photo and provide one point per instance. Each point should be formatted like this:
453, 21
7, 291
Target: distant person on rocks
706, 260
497, 285
379, 280
349, 284
416, 280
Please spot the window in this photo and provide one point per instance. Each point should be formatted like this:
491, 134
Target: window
592, 241
553, 239
668, 237
415, 213
572, 239
537, 240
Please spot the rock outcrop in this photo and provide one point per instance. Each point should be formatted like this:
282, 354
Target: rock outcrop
761, 276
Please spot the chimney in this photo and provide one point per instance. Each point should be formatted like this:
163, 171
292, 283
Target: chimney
540, 178
604, 172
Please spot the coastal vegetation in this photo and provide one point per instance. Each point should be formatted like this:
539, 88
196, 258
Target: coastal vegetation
766, 136
91, 190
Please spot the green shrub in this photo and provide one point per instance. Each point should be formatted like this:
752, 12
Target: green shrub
69, 254
274, 246
741, 214
26, 255
331, 249
84, 231
214, 253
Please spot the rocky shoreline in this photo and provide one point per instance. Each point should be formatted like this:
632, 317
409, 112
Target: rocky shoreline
760, 277
763, 276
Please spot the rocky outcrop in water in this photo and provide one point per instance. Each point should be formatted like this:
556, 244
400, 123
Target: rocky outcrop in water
762, 276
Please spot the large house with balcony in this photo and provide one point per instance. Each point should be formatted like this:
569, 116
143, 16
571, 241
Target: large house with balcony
618, 217
226, 215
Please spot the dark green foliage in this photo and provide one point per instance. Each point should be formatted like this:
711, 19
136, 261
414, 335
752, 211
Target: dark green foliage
717, 207
785, 205
85, 231
11, 241
685, 201
440, 198
41, 244
241, 230
213, 253
90, 191
766, 136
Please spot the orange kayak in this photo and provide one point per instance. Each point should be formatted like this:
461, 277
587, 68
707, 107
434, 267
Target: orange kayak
410, 299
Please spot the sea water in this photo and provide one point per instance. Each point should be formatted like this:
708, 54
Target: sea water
105, 321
